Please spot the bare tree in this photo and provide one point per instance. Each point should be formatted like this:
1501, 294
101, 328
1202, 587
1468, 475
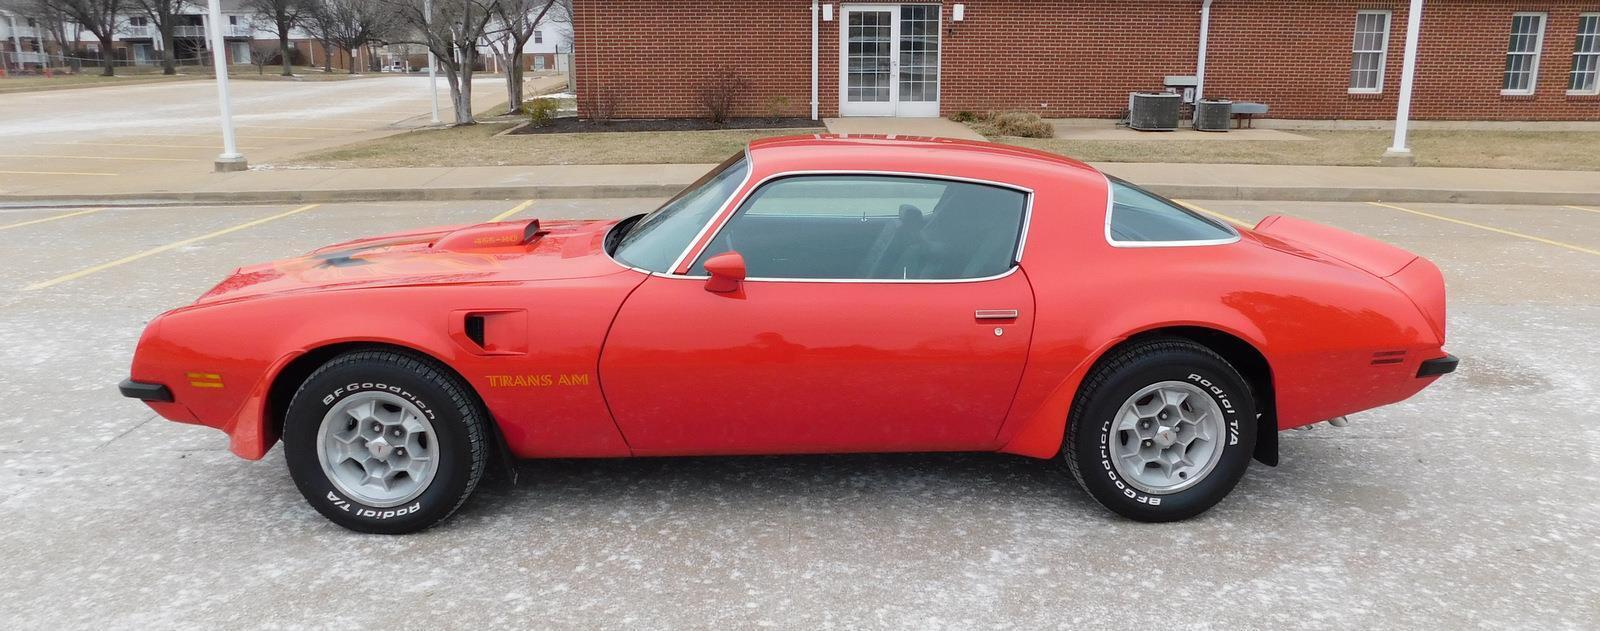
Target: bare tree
164, 15
66, 34
350, 25
281, 16
100, 17
261, 51
452, 34
514, 24
320, 25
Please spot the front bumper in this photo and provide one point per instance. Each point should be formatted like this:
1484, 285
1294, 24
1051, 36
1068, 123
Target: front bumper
1435, 367
147, 392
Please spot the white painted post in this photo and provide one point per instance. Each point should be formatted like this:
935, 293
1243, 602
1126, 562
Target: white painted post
814, 18
231, 159
433, 72
1200, 57
1400, 153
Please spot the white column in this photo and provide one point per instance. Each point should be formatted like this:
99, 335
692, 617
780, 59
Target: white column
231, 159
814, 17
433, 63
1200, 56
1400, 153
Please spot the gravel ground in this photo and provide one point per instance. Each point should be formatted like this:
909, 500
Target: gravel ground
1475, 504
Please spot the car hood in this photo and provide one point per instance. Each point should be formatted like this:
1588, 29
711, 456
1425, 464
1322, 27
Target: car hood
507, 251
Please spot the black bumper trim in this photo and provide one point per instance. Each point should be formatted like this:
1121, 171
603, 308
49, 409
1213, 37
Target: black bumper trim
145, 391
1435, 367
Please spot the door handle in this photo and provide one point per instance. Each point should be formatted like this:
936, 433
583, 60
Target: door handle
997, 314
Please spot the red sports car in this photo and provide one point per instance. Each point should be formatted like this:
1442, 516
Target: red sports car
812, 294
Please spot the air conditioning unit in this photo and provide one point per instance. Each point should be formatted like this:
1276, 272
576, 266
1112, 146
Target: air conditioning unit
1213, 115
1154, 111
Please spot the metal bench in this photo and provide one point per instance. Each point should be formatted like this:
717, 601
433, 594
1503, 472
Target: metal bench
1244, 113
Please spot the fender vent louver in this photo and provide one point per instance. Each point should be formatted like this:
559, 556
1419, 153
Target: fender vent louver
474, 329
1384, 358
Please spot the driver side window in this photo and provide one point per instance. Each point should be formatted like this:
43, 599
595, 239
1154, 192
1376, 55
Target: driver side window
873, 227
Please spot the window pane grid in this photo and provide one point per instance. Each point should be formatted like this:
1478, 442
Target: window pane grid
1586, 55
868, 61
1369, 50
1522, 53
919, 52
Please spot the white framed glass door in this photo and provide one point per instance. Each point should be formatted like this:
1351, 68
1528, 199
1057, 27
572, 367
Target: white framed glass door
889, 60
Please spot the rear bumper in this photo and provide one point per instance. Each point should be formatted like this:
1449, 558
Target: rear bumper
1435, 367
147, 392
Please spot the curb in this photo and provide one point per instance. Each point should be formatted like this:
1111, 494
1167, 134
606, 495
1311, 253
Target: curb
600, 191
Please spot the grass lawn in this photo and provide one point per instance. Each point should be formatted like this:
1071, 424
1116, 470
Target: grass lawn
90, 77
1565, 150
477, 145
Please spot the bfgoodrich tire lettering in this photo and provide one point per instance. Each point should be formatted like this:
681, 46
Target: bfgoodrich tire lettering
457, 438
1092, 427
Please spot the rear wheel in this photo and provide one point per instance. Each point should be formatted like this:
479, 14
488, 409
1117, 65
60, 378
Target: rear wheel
1161, 431
384, 442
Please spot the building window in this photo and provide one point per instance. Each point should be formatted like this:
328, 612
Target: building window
138, 21
538, 37
233, 20
1586, 56
1522, 56
1369, 52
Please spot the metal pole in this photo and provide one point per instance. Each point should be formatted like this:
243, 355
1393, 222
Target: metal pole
231, 159
1200, 60
814, 18
433, 62
1400, 153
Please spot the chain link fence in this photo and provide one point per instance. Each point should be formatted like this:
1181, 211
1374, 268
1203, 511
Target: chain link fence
34, 63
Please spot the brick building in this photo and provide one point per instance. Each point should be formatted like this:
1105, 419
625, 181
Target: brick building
1310, 59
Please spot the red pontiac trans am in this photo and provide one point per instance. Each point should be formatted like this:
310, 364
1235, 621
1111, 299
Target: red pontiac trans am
812, 294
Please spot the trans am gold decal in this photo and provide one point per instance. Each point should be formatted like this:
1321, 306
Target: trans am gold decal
538, 381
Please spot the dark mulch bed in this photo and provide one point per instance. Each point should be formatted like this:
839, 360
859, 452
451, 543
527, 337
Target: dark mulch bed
576, 125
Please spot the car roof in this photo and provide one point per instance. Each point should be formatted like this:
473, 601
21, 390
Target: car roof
821, 152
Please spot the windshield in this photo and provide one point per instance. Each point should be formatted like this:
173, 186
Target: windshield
655, 241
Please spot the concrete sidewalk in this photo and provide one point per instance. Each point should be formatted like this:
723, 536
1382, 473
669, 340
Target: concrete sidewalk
1200, 181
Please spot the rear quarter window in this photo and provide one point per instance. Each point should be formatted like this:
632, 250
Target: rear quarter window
1141, 217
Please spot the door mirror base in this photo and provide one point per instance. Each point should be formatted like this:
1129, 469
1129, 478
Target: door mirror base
727, 273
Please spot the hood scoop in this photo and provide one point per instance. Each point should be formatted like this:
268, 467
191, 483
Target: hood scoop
491, 238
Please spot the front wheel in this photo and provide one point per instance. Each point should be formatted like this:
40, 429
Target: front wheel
384, 442
1161, 431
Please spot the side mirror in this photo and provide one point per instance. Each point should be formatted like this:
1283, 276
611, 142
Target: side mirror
727, 273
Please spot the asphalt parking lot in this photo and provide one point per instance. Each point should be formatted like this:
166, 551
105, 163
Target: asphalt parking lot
1475, 504
103, 137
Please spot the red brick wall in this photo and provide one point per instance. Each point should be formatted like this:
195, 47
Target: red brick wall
1082, 58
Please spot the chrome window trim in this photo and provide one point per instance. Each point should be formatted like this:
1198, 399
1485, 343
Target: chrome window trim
1016, 263
749, 169
1110, 203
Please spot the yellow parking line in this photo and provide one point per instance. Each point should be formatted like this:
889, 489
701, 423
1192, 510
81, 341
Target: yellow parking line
507, 214
294, 127
1518, 235
50, 157
1211, 212
1593, 210
241, 137
217, 146
159, 249
53, 173
52, 218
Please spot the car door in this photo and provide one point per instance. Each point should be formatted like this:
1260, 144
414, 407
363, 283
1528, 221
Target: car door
880, 313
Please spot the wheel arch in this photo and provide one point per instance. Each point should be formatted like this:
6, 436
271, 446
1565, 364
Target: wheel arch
1251, 363
287, 381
